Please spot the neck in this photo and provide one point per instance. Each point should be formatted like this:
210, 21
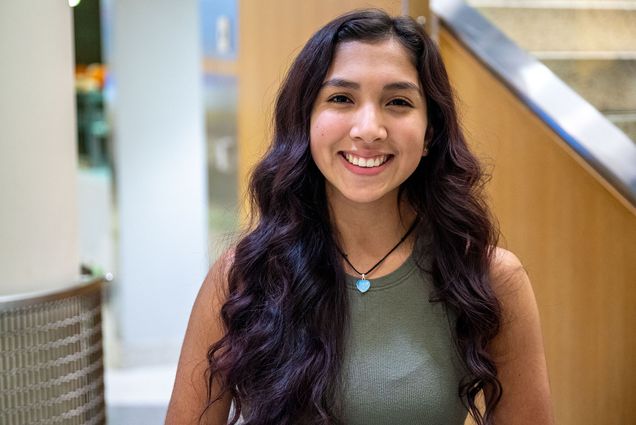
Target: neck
366, 232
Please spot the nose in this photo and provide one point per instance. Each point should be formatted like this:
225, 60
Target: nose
368, 125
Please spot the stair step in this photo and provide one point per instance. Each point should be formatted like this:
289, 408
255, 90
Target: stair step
626, 121
608, 84
557, 26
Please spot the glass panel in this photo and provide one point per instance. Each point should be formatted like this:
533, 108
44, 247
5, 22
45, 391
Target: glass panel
219, 31
220, 115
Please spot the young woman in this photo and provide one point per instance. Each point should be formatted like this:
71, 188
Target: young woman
369, 289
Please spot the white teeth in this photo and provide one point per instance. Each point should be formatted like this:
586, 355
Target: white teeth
366, 163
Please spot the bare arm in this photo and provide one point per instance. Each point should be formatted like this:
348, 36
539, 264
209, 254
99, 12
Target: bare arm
518, 348
189, 395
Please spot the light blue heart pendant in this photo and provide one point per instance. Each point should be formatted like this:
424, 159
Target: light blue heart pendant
363, 285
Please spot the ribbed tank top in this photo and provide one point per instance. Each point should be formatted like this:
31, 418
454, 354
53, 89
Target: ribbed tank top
401, 365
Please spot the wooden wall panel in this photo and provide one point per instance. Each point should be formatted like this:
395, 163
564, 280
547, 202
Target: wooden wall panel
576, 237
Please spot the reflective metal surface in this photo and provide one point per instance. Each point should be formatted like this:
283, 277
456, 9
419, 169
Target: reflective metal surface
603, 146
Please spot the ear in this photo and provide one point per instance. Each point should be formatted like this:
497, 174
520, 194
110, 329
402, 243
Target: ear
428, 137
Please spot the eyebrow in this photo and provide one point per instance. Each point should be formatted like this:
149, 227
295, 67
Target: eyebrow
338, 82
398, 85
402, 85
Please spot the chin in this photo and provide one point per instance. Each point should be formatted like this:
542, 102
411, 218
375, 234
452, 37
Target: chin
357, 195
362, 198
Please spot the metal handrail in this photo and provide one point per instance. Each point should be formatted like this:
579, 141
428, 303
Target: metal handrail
592, 136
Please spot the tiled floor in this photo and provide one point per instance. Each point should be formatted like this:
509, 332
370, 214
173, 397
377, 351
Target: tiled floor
136, 415
138, 396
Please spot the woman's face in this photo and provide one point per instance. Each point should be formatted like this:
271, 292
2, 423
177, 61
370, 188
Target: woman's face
368, 122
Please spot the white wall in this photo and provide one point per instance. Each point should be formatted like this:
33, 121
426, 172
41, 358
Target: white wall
38, 217
160, 171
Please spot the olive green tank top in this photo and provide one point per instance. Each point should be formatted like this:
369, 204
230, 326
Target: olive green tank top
401, 365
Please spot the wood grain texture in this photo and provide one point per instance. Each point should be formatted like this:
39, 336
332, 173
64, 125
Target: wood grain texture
575, 236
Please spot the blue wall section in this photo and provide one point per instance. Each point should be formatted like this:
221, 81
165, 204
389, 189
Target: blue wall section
209, 12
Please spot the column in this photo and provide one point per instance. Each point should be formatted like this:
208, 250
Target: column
160, 173
38, 159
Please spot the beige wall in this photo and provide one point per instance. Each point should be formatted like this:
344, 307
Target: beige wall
574, 234
38, 211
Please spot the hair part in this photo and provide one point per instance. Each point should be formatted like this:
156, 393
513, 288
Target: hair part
286, 311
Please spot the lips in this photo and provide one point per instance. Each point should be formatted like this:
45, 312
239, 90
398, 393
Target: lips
365, 162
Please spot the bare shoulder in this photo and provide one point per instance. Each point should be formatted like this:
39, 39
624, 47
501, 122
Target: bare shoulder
513, 289
510, 281
505, 259
215, 286
505, 265
518, 347
205, 327
205, 319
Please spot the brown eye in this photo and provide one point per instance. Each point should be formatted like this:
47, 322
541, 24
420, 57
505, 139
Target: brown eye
400, 102
339, 98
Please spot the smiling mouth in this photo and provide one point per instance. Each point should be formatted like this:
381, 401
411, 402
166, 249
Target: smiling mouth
375, 161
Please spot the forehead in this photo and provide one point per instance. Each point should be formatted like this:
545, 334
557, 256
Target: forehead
385, 59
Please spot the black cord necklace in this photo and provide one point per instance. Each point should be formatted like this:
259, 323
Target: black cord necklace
364, 284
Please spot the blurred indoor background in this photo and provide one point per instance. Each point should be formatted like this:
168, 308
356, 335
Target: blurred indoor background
128, 129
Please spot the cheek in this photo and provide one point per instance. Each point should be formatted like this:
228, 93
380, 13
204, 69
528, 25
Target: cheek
315, 136
316, 139
412, 146
316, 132
417, 135
328, 126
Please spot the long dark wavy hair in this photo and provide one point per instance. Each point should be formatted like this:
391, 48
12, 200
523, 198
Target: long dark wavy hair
285, 314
